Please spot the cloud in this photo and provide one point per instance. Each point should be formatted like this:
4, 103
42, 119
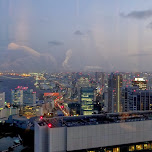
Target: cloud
14, 46
67, 58
29, 63
55, 43
78, 32
138, 14
23, 58
48, 58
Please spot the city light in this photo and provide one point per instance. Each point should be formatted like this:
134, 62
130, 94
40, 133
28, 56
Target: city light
49, 125
139, 79
75, 76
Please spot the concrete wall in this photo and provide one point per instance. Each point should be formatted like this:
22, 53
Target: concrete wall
85, 137
64, 139
6, 112
57, 138
40, 138
2, 100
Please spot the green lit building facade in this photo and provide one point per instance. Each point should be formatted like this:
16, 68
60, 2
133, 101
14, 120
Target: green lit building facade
87, 96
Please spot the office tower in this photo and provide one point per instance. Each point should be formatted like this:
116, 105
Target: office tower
134, 99
127, 79
105, 101
17, 97
99, 76
86, 97
23, 96
2, 100
74, 108
114, 92
83, 82
140, 82
127, 98
29, 97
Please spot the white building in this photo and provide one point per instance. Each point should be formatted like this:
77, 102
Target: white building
23, 96
2, 100
6, 112
61, 134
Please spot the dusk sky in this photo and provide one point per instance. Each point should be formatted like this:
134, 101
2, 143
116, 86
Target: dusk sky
75, 35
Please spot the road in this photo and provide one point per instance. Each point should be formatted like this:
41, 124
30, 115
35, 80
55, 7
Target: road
58, 103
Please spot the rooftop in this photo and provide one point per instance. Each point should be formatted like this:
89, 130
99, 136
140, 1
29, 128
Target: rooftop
95, 119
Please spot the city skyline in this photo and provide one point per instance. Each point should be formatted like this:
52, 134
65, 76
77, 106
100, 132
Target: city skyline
68, 111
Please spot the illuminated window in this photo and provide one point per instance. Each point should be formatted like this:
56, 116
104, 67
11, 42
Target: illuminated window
139, 147
146, 146
150, 145
131, 148
116, 149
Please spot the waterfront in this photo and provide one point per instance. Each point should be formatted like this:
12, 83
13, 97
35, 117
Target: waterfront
11, 82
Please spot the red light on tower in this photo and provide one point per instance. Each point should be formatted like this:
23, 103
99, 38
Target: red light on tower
62, 106
41, 117
50, 125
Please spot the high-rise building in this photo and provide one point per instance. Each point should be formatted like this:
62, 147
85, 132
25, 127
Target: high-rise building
23, 96
2, 100
83, 82
127, 98
17, 97
29, 97
114, 92
99, 76
87, 97
134, 99
140, 82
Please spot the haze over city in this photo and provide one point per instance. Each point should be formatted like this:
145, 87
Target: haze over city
75, 35
75, 75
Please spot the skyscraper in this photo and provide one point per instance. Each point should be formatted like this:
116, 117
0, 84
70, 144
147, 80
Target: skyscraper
114, 92
140, 82
17, 97
87, 96
23, 96
99, 76
29, 97
134, 99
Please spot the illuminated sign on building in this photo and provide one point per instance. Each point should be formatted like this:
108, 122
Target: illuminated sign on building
51, 94
140, 82
139, 79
